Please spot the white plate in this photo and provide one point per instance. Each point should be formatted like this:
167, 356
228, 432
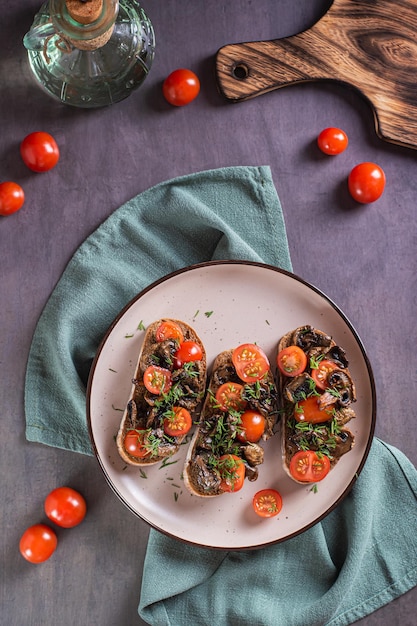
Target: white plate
228, 303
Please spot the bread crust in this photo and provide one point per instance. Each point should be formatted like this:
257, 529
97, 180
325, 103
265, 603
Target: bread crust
141, 413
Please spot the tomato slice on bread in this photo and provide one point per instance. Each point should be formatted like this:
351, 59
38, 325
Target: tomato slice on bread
157, 380
309, 410
169, 330
187, 352
252, 427
250, 362
134, 444
178, 422
320, 373
292, 361
308, 467
231, 470
229, 397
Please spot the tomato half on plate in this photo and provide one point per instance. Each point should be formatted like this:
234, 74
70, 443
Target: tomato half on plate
157, 379
292, 361
309, 410
250, 362
229, 397
267, 503
308, 467
232, 472
169, 330
177, 422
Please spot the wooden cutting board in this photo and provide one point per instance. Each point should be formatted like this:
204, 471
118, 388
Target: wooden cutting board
370, 45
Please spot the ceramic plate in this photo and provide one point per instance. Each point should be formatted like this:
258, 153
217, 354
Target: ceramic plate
228, 303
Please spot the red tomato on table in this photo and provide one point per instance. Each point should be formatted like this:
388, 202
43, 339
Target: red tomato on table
181, 87
332, 141
366, 182
39, 151
38, 543
65, 506
12, 198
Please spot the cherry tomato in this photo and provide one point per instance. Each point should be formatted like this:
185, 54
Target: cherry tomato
178, 422
134, 444
229, 397
309, 410
39, 151
181, 87
65, 506
38, 543
250, 361
157, 379
169, 330
332, 141
292, 361
267, 503
12, 198
232, 472
187, 352
252, 426
308, 467
321, 372
366, 182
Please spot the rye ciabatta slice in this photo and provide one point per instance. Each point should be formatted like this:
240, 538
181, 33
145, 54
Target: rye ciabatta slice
327, 379
178, 385
220, 433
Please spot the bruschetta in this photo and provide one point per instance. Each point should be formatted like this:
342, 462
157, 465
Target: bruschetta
167, 390
316, 393
239, 412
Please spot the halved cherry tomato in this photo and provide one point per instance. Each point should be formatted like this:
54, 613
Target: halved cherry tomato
320, 373
134, 443
309, 410
169, 330
39, 151
232, 472
366, 182
178, 422
65, 507
157, 379
38, 543
267, 502
252, 426
181, 87
292, 361
332, 141
229, 397
187, 352
12, 197
250, 361
308, 467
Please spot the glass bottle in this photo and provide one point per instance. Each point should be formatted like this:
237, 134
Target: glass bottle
90, 53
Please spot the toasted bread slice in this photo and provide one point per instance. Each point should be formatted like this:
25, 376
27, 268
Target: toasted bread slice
331, 438
145, 411
216, 434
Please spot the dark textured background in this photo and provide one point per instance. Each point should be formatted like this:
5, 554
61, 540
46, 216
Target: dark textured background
363, 257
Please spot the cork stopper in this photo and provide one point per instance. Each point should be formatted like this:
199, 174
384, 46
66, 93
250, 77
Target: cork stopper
84, 11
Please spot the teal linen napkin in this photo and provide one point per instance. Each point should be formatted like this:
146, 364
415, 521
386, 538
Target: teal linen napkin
359, 558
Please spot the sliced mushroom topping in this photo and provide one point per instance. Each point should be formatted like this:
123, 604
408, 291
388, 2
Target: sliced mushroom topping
299, 387
203, 476
338, 355
343, 384
251, 473
254, 454
306, 337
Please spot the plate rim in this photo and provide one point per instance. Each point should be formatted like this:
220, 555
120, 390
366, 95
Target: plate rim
260, 265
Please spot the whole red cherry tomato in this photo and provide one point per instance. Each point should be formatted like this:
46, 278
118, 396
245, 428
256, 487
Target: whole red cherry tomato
366, 182
181, 87
332, 141
12, 198
65, 507
39, 151
38, 543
